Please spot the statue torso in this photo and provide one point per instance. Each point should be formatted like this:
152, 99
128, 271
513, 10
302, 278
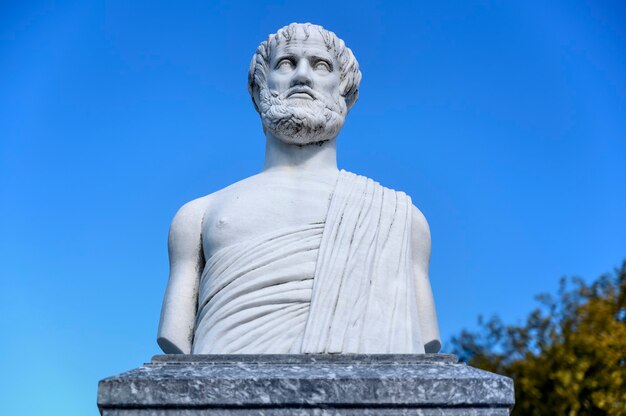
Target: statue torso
263, 203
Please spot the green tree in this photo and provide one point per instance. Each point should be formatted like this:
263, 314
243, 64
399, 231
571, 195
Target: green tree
568, 358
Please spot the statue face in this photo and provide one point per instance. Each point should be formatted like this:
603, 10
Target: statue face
302, 65
301, 103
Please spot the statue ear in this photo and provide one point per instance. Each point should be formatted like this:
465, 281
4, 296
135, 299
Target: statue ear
255, 95
253, 77
349, 92
257, 72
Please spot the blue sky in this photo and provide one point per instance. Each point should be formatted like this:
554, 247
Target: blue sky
505, 121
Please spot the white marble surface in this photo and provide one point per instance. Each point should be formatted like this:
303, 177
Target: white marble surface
301, 257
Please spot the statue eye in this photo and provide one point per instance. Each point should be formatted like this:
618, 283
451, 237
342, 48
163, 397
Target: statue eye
322, 66
284, 64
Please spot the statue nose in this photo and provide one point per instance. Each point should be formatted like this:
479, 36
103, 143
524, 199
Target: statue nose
302, 75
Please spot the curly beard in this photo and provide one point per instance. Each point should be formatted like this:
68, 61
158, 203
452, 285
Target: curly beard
301, 121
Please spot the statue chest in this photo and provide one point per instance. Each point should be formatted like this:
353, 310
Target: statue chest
242, 214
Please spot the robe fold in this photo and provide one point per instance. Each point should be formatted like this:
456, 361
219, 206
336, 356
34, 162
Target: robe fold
342, 286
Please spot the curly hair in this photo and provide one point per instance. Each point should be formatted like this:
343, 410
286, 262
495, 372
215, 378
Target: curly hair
350, 76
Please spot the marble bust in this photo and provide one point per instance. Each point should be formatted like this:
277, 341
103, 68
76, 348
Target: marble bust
302, 257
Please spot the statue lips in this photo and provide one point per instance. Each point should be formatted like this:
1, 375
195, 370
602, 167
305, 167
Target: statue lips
301, 92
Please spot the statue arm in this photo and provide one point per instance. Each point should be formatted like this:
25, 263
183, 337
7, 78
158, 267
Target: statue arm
421, 258
178, 313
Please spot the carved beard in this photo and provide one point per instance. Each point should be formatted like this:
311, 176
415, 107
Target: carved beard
301, 121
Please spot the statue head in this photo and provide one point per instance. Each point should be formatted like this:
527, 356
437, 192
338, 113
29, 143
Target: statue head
303, 80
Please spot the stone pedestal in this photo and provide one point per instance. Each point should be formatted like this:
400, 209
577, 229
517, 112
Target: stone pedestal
194, 385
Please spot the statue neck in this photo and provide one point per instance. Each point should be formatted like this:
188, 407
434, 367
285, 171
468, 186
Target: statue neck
317, 157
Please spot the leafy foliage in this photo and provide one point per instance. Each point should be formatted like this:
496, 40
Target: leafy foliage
569, 358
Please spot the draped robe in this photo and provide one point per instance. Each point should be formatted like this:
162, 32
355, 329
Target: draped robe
342, 286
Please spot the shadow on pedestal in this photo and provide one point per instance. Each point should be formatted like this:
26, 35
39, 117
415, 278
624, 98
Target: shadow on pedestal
194, 385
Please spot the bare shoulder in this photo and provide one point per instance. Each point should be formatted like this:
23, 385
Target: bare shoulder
185, 234
192, 212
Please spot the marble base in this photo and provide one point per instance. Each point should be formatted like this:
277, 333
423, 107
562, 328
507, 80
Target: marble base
280, 385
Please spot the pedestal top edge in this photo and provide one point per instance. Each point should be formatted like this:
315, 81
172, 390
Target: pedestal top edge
305, 358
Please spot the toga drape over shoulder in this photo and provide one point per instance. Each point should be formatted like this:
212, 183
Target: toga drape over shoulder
344, 286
